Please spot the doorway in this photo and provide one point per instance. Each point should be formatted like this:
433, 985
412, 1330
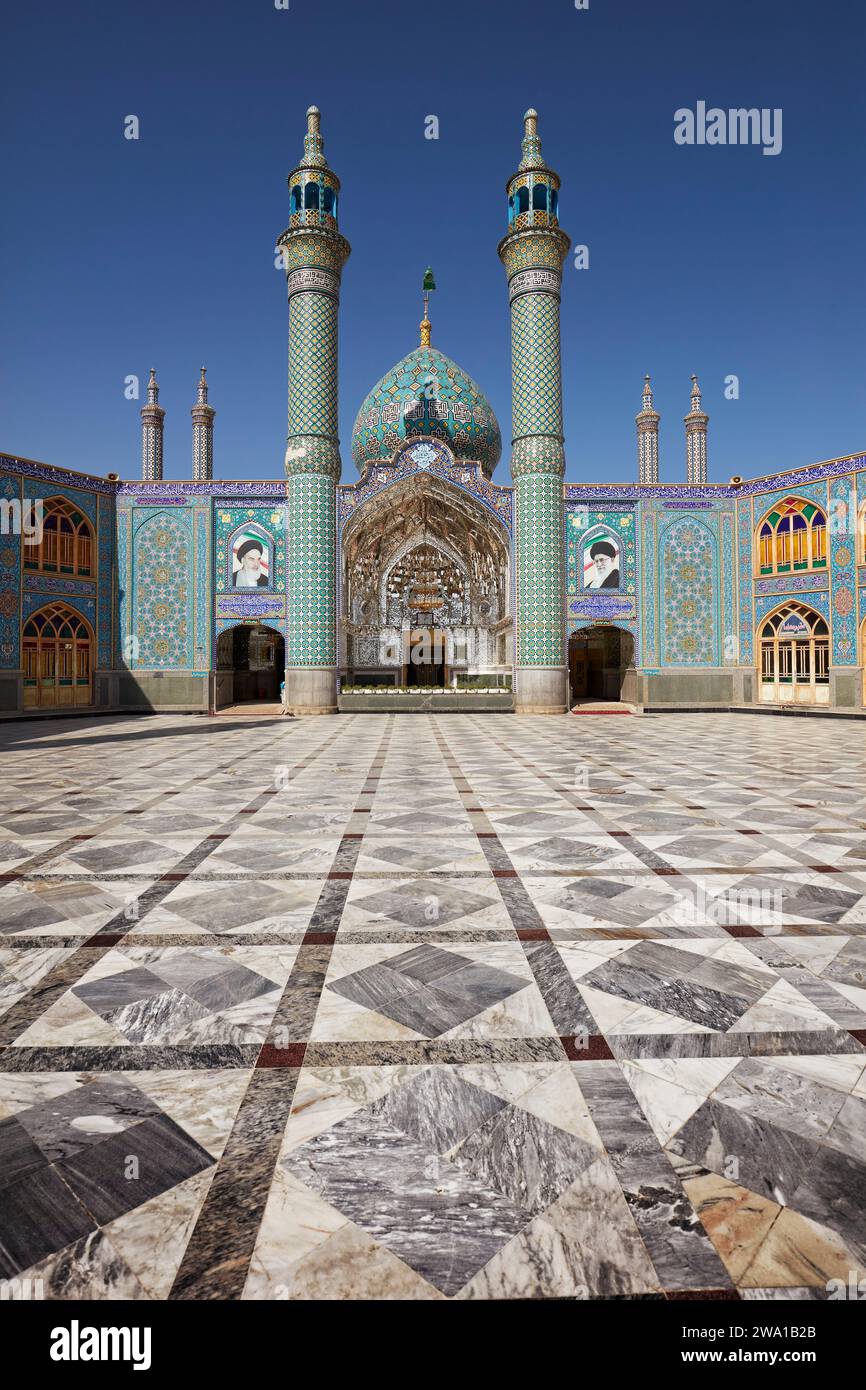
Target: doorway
601, 664
251, 663
425, 652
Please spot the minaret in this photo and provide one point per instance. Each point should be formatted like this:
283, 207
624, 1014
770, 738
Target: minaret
532, 253
314, 253
202, 433
152, 419
647, 421
696, 438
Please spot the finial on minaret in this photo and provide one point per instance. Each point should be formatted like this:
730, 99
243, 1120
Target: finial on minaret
696, 423
314, 145
152, 421
425, 325
647, 421
531, 143
202, 433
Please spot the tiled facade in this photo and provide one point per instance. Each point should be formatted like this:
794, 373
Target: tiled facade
159, 590
431, 1006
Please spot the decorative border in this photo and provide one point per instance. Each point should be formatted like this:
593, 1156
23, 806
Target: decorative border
793, 583
166, 493
106, 537
57, 477
47, 584
728, 615
764, 606
270, 521
10, 585
843, 583
620, 607
202, 626
85, 606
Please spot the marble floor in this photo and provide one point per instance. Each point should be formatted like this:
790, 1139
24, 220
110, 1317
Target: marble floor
419, 1007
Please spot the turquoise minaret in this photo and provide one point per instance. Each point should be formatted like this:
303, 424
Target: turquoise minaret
313, 255
533, 252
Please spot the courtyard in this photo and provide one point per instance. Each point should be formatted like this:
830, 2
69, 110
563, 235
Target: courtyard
418, 1007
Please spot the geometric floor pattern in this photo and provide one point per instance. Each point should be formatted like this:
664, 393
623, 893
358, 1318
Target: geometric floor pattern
419, 1007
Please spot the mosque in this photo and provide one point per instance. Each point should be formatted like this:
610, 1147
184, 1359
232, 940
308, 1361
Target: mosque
425, 583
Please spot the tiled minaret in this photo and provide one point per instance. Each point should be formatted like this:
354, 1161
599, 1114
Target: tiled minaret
532, 253
202, 434
152, 420
647, 421
314, 253
696, 423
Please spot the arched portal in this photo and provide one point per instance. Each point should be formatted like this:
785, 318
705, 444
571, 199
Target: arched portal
601, 664
251, 662
425, 592
794, 654
58, 658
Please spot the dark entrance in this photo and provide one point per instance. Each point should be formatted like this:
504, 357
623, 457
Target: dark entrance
601, 664
425, 664
251, 661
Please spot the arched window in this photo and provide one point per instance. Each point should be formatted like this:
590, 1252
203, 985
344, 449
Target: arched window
554, 203
539, 197
311, 196
795, 657
57, 654
793, 536
328, 201
296, 198
66, 544
522, 199
510, 210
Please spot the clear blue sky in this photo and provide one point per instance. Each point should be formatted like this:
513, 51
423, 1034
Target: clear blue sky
117, 254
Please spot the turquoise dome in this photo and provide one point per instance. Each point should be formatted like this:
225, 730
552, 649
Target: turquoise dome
426, 394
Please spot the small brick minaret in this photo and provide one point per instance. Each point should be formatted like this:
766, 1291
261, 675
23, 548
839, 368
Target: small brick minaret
696, 423
647, 421
202, 433
152, 419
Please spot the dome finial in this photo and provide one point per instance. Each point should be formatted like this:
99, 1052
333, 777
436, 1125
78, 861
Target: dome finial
425, 325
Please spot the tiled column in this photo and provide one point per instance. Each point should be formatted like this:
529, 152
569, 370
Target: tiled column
314, 253
532, 253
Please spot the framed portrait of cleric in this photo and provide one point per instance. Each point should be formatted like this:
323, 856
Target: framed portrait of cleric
252, 560
601, 557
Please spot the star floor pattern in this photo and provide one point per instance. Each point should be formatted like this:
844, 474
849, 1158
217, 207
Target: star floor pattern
418, 1007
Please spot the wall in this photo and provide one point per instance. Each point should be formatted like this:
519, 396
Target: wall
24, 592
